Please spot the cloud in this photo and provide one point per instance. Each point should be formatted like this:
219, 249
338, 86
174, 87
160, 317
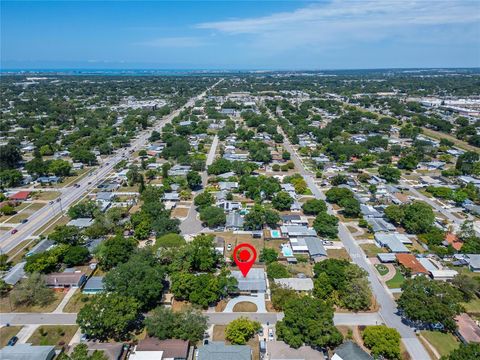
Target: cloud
174, 42
330, 24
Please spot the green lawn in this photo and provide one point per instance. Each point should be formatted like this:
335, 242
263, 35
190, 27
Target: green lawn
7, 332
371, 250
444, 343
473, 306
396, 281
57, 335
382, 269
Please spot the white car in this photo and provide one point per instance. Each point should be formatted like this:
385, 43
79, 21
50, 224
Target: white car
229, 247
270, 334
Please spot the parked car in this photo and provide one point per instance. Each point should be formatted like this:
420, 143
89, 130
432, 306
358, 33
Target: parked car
270, 334
260, 332
14, 231
13, 340
229, 247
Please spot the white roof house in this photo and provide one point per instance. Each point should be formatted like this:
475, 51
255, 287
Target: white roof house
297, 284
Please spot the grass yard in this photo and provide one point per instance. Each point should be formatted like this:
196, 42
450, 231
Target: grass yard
6, 333
16, 219
444, 343
48, 227
180, 212
245, 306
57, 335
341, 254
382, 269
5, 305
46, 195
304, 268
473, 306
371, 250
397, 281
76, 302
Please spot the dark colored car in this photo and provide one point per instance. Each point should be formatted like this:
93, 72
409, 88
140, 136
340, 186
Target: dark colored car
14, 231
13, 340
24, 221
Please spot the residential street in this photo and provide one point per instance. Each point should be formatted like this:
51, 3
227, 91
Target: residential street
388, 308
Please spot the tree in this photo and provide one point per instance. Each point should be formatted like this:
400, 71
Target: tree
186, 324
408, 162
259, 216
240, 330
109, 316
469, 351
419, 217
76, 255
276, 270
194, 180
300, 324
338, 180
65, 234
282, 201
141, 278
80, 352
10, 178
337, 194
326, 225
395, 213
466, 161
204, 199
85, 209
382, 341
281, 295
431, 302
47, 261
83, 155
351, 207
59, 167
468, 285
10, 156
32, 291
390, 174
314, 206
213, 216
114, 251
268, 255
357, 295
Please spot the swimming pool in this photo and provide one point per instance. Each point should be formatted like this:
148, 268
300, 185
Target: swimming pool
287, 251
275, 234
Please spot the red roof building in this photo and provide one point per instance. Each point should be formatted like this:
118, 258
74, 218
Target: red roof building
409, 261
20, 196
453, 240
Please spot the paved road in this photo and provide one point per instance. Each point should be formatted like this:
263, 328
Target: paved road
192, 224
47, 213
213, 318
388, 308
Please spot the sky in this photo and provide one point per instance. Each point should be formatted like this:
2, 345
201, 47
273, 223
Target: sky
242, 35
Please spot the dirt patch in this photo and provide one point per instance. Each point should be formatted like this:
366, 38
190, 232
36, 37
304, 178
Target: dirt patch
221, 305
338, 254
180, 212
179, 305
245, 306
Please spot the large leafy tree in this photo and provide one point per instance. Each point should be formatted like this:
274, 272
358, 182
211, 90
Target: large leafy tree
32, 291
464, 352
259, 216
314, 206
187, 324
109, 316
382, 341
326, 225
430, 302
114, 251
282, 201
240, 330
301, 324
213, 216
141, 278
389, 173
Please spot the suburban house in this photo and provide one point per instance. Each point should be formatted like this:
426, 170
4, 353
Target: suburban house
49, 179
297, 284
155, 349
350, 351
473, 262
20, 196
15, 273
394, 242
113, 351
294, 219
228, 185
65, 280
179, 170
229, 205
310, 245
27, 351
254, 282
279, 350
297, 231
234, 221
94, 285
81, 223
410, 262
217, 350
171, 196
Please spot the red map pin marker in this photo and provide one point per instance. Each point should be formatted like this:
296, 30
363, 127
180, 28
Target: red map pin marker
244, 256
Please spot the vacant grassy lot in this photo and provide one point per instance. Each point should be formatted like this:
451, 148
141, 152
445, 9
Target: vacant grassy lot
5, 305
46, 195
397, 281
444, 343
76, 302
180, 212
245, 306
57, 335
371, 250
7, 332
338, 254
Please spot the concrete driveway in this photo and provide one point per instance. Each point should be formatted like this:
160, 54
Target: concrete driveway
257, 299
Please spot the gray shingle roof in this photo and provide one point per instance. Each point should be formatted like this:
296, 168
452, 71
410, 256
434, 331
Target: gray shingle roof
217, 350
27, 352
254, 281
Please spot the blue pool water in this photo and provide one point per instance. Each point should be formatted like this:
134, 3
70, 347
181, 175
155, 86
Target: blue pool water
275, 234
287, 251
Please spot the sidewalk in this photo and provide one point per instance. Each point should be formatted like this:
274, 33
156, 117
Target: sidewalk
65, 300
